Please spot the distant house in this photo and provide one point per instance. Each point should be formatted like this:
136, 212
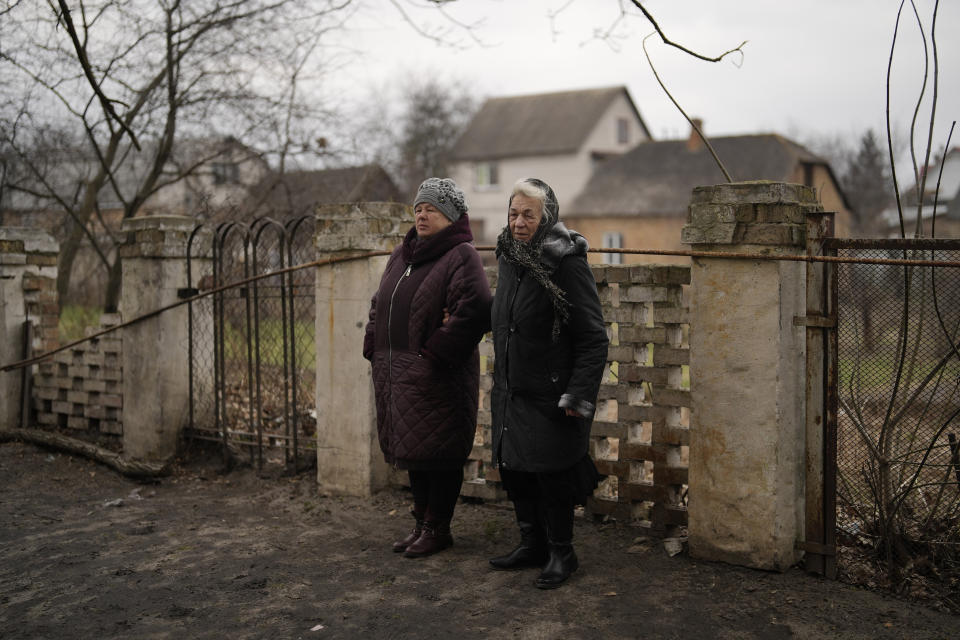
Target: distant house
640, 199
217, 175
947, 222
558, 137
201, 176
296, 193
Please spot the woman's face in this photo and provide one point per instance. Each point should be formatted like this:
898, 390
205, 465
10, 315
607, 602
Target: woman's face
429, 220
524, 217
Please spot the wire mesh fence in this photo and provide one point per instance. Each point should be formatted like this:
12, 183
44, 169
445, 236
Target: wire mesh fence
898, 385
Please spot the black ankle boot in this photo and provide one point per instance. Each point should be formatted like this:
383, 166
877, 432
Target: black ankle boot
531, 552
435, 537
562, 562
401, 545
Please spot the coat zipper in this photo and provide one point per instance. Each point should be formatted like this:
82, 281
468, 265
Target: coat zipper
390, 314
390, 331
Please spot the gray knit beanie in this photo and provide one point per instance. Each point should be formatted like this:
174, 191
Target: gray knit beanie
445, 195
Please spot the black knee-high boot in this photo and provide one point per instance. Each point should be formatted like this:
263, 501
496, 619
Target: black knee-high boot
532, 550
562, 560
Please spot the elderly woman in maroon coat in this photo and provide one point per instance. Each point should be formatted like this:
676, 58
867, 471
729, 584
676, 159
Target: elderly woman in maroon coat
431, 310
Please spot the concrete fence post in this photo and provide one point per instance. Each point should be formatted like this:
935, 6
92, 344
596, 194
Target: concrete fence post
155, 351
349, 461
747, 365
28, 290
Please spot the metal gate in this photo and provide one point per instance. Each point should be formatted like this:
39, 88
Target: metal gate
252, 351
896, 381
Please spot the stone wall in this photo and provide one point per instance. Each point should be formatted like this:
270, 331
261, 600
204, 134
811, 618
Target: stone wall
81, 388
640, 432
28, 292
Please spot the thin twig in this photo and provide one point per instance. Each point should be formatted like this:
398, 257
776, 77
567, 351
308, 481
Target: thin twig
893, 163
936, 193
667, 40
726, 174
933, 112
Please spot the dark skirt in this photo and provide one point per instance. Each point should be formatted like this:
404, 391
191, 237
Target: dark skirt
573, 485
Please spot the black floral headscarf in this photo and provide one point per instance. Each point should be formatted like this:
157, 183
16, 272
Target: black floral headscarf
542, 255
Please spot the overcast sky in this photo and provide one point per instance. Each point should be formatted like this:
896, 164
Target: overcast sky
810, 68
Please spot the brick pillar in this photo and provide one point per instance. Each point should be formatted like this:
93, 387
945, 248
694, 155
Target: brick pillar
155, 351
349, 460
28, 289
747, 367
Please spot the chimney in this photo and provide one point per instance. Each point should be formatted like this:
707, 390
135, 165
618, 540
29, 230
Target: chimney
694, 143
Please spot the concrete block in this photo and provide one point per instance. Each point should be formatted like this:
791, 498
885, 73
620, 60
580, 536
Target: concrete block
62, 407
91, 384
666, 356
78, 371
111, 400
671, 397
774, 234
644, 293
96, 412
112, 427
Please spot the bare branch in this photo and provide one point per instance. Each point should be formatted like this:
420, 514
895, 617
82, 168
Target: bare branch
713, 153
936, 193
439, 38
666, 40
893, 163
67, 21
933, 112
917, 180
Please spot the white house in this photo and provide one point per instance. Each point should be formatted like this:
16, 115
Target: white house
557, 137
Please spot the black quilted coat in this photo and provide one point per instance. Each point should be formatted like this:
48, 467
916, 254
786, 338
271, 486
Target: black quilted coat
426, 372
533, 375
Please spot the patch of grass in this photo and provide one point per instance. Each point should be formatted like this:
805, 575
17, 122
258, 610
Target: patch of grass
74, 319
271, 342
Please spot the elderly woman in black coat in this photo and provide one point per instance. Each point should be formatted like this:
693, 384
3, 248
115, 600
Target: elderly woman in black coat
550, 346
431, 310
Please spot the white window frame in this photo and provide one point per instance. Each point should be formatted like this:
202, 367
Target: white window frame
612, 240
487, 176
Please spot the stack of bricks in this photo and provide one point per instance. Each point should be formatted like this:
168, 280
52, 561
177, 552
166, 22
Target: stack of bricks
81, 388
33, 257
640, 435
40, 298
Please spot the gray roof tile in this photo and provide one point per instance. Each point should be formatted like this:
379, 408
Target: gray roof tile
657, 178
540, 124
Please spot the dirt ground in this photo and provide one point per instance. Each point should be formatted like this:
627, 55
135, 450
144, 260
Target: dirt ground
88, 553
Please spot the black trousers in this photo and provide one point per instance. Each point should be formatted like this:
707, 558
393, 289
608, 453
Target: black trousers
552, 495
435, 492
549, 495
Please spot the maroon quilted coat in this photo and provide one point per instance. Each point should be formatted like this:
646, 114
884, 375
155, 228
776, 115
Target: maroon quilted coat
426, 371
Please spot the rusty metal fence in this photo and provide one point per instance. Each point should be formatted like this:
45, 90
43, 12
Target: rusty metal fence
898, 394
252, 355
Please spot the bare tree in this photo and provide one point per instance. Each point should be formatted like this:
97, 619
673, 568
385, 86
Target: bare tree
413, 136
129, 79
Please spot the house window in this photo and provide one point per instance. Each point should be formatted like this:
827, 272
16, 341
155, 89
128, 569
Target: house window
225, 172
487, 175
613, 240
623, 131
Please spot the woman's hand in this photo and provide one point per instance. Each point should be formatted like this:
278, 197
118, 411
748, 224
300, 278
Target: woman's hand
446, 316
573, 414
